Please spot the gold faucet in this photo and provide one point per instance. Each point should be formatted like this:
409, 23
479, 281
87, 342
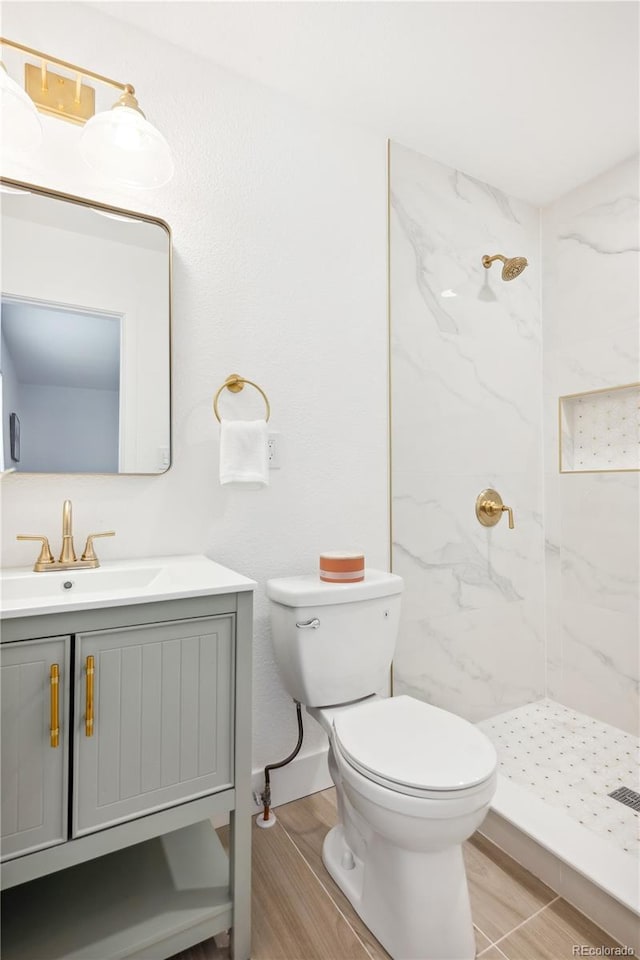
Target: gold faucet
67, 559
68, 553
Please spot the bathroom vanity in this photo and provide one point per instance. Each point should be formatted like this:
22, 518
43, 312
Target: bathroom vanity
126, 714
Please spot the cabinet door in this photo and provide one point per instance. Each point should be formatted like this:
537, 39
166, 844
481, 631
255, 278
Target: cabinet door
34, 760
162, 718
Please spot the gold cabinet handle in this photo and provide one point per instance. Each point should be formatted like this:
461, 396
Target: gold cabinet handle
88, 719
54, 686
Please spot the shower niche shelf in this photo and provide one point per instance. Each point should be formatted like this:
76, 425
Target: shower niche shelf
600, 430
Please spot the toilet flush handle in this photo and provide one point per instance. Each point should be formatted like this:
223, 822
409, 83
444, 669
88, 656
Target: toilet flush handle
314, 624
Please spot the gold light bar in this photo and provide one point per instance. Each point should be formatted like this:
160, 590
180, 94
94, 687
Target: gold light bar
55, 94
59, 96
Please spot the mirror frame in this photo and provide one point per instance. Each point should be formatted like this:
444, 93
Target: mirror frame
96, 204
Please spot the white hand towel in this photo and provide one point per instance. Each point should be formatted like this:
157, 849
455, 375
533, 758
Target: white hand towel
243, 452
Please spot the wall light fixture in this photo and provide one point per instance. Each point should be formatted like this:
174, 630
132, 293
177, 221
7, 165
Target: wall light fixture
120, 144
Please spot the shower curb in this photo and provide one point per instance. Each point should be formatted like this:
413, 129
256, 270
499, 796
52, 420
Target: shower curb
606, 911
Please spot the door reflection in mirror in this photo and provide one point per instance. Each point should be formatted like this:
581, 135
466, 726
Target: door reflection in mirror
61, 373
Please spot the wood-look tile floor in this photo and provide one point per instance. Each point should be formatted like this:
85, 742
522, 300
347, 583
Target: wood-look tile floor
300, 914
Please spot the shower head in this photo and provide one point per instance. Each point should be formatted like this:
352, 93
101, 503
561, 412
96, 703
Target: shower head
512, 268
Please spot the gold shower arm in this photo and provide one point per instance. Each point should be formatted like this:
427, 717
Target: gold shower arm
487, 260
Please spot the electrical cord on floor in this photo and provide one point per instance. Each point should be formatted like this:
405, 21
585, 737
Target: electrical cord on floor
266, 794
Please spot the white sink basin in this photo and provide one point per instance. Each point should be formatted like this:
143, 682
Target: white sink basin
25, 593
30, 586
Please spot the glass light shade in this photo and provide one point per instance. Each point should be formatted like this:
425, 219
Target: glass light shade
20, 122
122, 146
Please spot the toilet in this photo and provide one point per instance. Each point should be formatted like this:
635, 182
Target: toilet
412, 781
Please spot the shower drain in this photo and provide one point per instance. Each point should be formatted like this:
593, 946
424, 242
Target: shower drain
629, 797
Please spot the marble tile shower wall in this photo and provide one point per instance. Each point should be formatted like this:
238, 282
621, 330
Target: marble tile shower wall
591, 279
466, 414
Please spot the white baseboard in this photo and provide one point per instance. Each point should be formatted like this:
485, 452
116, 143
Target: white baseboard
307, 774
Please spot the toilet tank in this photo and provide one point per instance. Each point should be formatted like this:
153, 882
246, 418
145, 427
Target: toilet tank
334, 642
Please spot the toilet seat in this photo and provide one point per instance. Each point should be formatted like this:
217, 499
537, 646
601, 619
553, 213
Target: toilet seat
413, 748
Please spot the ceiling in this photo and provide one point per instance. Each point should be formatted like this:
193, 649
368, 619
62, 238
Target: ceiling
532, 97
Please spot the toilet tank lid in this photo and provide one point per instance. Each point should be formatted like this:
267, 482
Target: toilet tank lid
310, 591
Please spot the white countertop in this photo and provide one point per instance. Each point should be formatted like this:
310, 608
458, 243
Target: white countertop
115, 583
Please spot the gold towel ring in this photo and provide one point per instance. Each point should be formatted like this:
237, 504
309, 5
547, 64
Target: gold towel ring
235, 383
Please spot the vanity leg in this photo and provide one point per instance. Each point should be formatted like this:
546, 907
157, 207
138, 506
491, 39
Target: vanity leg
240, 879
222, 940
241, 819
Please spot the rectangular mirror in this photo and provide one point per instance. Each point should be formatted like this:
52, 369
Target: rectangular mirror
85, 332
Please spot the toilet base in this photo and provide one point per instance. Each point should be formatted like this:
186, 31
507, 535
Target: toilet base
416, 904
335, 851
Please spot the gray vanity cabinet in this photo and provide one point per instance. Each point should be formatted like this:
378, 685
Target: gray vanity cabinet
161, 731
107, 841
34, 756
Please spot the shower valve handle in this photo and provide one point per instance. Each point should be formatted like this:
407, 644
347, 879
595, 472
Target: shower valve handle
489, 508
510, 512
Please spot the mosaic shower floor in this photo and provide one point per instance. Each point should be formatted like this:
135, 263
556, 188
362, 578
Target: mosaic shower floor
572, 762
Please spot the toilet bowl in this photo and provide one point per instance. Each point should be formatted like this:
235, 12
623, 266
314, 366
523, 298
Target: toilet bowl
412, 781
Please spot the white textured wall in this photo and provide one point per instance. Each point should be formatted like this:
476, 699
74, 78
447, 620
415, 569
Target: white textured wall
279, 226
591, 279
466, 375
